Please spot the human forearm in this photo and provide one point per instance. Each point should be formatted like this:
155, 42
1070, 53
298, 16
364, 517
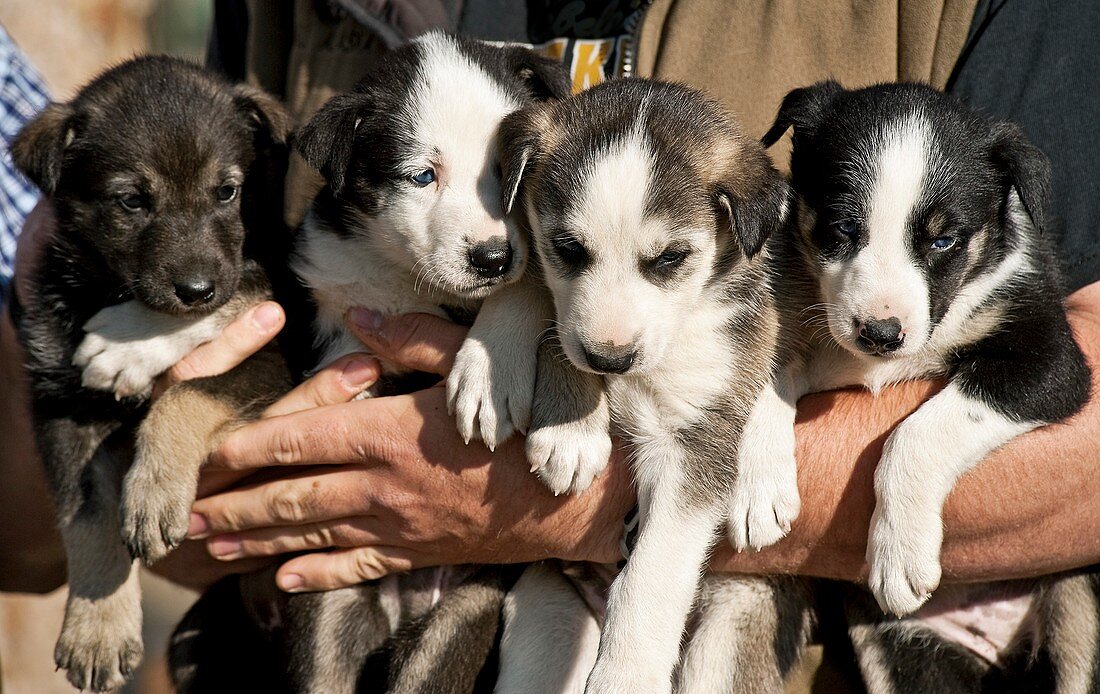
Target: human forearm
1030, 508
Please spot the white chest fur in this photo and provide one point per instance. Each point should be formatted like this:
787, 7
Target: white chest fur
345, 272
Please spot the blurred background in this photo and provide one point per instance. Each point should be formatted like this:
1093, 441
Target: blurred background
70, 41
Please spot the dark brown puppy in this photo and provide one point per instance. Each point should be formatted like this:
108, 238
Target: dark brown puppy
160, 174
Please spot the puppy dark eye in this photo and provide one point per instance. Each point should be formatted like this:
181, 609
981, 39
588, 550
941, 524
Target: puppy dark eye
227, 192
846, 228
671, 259
942, 243
570, 250
132, 202
423, 178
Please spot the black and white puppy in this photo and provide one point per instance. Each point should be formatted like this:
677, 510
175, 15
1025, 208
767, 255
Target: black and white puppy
411, 220
917, 251
158, 172
650, 210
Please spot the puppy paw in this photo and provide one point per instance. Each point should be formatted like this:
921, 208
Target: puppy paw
489, 391
904, 566
116, 367
763, 508
100, 645
154, 513
568, 456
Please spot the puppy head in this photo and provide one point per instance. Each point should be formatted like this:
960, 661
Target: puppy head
413, 152
905, 197
642, 196
146, 167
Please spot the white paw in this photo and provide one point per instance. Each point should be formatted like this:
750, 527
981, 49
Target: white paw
904, 562
155, 510
568, 456
127, 346
764, 506
100, 644
489, 391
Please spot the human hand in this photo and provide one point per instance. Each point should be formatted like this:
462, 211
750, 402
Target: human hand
386, 484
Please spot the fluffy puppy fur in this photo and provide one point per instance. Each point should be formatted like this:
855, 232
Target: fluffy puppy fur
649, 212
160, 174
917, 251
410, 220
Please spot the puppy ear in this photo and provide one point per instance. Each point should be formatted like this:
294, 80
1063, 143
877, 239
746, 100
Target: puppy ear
326, 141
518, 140
39, 148
753, 202
545, 78
801, 109
265, 110
1026, 168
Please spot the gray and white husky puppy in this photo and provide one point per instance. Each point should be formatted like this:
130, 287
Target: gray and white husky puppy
650, 211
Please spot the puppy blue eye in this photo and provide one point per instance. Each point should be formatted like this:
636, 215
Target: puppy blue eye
423, 178
942, 243
846, 228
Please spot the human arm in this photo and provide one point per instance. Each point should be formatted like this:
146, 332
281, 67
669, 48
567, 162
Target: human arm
1027, 510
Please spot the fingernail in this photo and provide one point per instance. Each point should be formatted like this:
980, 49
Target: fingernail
358, 373
225, 547
198, 527
291, 583
267, 317
366, 320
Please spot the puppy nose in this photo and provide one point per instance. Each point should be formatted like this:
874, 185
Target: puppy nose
882, 336
194, 291
611, 359
491, 258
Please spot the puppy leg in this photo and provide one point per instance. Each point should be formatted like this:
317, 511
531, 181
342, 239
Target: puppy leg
550, 636
921, 462
765, 495
1070, 613
749, 633
492, 383
649, 602
100, 642
570, 440
173, 442
445, 650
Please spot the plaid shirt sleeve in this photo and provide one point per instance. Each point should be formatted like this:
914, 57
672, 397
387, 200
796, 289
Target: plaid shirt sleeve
22, 94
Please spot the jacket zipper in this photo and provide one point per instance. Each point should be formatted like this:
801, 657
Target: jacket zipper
634, 34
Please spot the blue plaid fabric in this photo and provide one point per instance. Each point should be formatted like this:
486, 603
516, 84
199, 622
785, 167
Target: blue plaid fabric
22, 94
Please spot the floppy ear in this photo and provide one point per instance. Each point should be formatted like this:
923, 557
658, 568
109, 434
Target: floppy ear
518, 140
545, 78
39, 148
1026, 167
266, 112
327, 140
801, 109
753, 203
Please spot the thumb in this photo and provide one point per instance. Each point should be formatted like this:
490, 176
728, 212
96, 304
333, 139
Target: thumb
417, 341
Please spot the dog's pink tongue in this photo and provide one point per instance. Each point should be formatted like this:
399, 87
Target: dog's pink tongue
986, 619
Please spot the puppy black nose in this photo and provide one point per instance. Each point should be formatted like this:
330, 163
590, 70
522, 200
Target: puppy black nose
194, 291
491, 258
611, 360
881, 336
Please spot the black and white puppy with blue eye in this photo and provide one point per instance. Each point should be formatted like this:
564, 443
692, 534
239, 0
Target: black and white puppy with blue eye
916, 250
411, 219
